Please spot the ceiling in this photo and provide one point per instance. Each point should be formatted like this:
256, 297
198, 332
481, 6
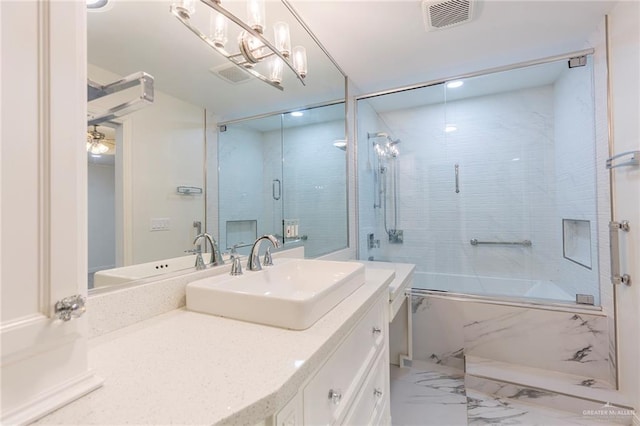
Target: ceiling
380, 45
384, 44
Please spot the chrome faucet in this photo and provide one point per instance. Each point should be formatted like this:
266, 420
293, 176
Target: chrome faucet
236, 265
254, 257
216, 257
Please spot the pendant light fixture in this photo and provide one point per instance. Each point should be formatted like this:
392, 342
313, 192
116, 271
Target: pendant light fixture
253, 47
95, 145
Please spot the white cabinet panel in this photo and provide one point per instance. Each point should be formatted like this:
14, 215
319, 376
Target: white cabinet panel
43, 197
330, 392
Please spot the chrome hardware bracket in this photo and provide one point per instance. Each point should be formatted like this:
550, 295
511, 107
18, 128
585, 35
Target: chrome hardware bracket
335, 396
70, 307
525, 243
614, 228
633, 161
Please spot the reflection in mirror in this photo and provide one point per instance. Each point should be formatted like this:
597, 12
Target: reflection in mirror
494, 164
283, 175
162, 147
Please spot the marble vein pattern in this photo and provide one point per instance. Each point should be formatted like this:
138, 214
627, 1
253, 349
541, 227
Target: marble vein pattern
437, 331
435, 395
573, 343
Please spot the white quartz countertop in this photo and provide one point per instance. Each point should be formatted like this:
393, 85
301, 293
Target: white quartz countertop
184, 367
403, 271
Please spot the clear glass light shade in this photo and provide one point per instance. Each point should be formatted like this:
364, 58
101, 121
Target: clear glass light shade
300, 60
185, 8
96, 147
256, 15
282, 38
277, 66
218, 29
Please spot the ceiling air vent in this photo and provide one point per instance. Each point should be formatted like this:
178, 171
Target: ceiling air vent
231, 74
446, 14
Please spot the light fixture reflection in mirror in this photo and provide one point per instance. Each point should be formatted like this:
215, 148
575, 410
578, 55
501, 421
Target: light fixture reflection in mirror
254, 47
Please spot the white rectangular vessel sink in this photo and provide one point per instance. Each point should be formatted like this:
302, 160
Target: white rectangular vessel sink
293, 293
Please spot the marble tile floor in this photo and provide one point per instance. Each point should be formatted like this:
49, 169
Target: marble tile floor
432, 395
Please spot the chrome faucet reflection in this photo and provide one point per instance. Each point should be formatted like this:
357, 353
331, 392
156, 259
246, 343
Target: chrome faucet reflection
216, 257
254, 257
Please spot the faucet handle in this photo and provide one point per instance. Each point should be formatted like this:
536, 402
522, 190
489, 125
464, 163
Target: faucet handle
268, 260
236, 264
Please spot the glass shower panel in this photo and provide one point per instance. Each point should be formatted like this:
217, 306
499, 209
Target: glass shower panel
315, 173
400, 139
495, 183
250, 181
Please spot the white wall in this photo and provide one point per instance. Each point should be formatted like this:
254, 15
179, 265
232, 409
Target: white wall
164, 148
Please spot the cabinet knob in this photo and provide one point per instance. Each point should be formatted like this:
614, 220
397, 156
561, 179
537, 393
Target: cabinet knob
335, 395
376, 330
70, 307
377, 392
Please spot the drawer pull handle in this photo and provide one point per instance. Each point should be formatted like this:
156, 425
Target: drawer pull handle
376, 330
377, 393
335, 396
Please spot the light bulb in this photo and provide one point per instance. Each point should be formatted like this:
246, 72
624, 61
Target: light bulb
300, 60
218, 29
256, 15
282, 38
184, 8
96, 147
276, 70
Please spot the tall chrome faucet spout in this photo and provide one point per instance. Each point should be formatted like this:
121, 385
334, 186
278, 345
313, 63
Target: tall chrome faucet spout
254, 257
216, 257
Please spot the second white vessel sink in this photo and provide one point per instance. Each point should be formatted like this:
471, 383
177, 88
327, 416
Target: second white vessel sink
294, 293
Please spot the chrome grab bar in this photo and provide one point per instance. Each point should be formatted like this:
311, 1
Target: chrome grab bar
526, 243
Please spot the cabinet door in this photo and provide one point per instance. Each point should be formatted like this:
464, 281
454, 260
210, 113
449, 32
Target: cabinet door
43, 197
291, 414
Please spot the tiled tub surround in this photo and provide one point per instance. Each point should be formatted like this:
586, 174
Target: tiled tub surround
526, 161
190, 368
447, 328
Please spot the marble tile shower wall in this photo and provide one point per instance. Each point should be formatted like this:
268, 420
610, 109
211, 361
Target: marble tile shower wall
314, 182
313, 175
444, 330
240, 167
575, 162
505, 151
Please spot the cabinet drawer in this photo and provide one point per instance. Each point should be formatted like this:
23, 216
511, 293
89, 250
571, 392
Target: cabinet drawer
329, 393
372, 397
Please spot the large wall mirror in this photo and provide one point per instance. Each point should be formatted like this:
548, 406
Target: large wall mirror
140, 224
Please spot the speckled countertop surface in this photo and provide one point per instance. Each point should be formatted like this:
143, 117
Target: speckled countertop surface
188, 368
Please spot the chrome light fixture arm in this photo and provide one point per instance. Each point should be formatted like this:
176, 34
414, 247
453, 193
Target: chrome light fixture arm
241, 60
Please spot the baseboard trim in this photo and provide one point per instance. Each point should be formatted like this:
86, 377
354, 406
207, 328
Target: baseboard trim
53, 399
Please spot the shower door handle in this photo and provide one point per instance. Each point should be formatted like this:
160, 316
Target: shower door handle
457, 172
614, 228
276, 185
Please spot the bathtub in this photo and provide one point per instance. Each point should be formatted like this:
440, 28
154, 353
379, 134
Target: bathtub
491, 286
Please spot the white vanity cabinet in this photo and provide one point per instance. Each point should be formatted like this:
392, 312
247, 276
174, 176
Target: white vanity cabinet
352, 385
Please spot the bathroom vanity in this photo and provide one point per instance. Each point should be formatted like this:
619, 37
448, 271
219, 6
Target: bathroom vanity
193, 368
